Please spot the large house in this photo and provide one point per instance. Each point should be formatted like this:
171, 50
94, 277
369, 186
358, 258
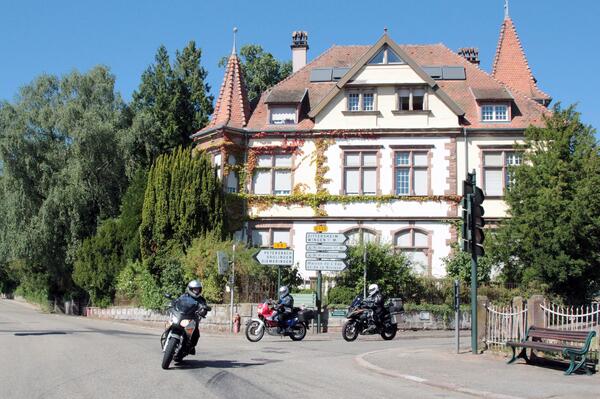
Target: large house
373, 141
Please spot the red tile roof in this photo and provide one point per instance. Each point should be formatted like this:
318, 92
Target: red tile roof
525, 113
232, 108
510, 64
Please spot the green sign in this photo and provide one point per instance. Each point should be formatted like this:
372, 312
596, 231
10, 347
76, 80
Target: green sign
338, 313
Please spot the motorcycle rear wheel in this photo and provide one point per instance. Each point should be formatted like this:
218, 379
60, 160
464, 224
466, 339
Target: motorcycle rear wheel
251, 331
389, 332
169, 352
350, 330
298, 333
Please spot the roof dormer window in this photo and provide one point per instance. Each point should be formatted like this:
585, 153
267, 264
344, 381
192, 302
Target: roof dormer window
495, 113
386, 56
282, 114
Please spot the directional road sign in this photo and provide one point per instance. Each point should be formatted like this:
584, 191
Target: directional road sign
326, 255
325, 265
275, 257
329, 238
326, 247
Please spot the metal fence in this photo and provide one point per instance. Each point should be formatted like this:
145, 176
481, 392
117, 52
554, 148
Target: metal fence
505, 323
585, 317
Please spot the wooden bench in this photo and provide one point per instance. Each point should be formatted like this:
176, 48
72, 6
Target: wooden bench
571, 344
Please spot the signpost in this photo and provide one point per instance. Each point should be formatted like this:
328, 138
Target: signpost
276, 257
328, 265
324, 252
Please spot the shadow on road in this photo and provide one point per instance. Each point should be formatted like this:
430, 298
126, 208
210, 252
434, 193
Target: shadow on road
220, 364
24, 333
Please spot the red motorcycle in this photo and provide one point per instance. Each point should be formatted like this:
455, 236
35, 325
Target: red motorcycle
295, 327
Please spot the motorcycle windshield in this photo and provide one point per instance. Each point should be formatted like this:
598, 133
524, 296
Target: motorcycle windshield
186, 306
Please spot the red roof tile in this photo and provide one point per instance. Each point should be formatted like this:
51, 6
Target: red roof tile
510, 63
525, 113
232, 108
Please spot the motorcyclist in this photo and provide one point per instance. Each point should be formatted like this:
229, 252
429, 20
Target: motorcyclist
285, 307
193, 292
375, 301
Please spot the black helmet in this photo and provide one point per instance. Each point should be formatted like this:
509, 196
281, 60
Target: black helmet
194, 289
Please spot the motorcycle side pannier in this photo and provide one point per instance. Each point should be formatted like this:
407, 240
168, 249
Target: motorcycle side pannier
396, 306
306, 315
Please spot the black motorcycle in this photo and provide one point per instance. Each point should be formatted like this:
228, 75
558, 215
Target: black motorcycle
184, 318
360, 320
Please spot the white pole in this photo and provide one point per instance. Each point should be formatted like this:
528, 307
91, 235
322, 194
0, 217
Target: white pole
231, 285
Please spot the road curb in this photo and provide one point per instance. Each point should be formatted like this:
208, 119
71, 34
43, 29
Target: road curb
361, 361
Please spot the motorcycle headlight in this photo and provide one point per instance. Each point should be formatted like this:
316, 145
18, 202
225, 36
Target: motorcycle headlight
184, 323
174, 319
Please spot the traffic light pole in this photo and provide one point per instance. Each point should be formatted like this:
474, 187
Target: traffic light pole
474, 302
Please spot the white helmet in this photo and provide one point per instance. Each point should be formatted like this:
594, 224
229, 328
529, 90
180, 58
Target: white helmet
373, 289
194, 288
283, 291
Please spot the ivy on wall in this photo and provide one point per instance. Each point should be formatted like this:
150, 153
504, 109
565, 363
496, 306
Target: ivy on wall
299, 196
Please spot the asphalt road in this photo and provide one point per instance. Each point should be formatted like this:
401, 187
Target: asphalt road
53, 356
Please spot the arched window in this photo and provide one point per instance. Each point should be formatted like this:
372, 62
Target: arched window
361, 235
414, 243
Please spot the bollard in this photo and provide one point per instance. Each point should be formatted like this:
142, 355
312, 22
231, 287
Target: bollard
236, 323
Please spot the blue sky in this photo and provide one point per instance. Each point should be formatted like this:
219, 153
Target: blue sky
58, 36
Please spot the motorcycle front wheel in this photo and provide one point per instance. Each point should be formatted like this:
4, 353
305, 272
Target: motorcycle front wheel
350, 330
389, 332
299, 332
253, 331
169, 352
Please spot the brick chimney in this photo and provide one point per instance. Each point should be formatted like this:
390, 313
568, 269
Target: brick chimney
299, 49
471, 54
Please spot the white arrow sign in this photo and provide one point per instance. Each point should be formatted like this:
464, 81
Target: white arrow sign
324, 247
329, 238
326, 255
325, 265
275, 257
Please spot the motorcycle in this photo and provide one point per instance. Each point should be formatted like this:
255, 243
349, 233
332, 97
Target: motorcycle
295, 327
184, 317
360, 320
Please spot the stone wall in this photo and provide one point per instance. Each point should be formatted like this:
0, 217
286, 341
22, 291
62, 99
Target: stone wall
217, 320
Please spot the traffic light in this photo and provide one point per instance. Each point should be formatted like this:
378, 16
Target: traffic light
477, 222
472, 215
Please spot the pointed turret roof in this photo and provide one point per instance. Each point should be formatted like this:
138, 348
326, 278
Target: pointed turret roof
510, 64
232, 108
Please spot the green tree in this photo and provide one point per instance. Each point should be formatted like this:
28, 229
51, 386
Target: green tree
183, 200
390, 270
171, 103
261, 70
458, 263
552, 237
63, 172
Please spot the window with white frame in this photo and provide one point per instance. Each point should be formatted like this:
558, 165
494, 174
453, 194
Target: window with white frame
414, 244
360, 172
231, 185
411, 172
360, 236
363, 100
494, 113
412, 99
217, 162
273, 174
282, 114
266, 237
497, 170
